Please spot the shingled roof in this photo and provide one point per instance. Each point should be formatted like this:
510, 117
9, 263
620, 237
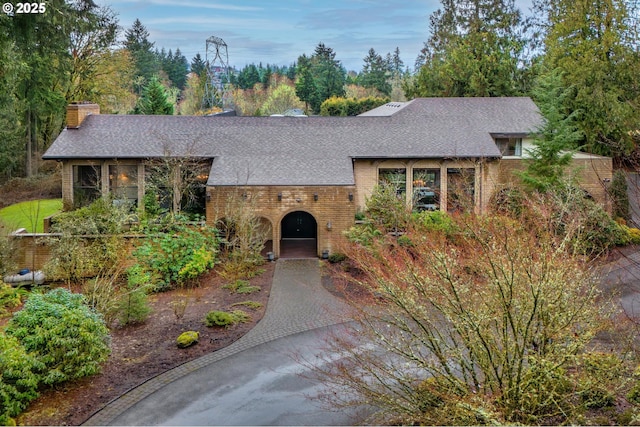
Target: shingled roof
305, 151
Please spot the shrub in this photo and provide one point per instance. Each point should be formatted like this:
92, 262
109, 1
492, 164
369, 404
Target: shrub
201, 260
218, 318
254, 305
226, 319
19, 377
63, 333
7, 256
619, 196
386, 210
178, 255
242, 287
76, 256
434, 221
187, 339
337, 257
10, 297
133, 305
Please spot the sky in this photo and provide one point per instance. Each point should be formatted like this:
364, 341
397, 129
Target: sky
278, 32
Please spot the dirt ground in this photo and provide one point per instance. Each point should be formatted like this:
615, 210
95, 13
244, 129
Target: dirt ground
143, 351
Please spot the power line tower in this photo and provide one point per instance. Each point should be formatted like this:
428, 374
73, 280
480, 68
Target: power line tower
216, 89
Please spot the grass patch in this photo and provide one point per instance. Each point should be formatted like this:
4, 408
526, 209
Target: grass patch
29, 215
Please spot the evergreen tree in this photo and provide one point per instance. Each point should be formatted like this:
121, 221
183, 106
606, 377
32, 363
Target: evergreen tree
374, 73
146, 60
154, 100
556, 139
328, 73
594, 45
198, 66
47, 47
475, 49
305, 85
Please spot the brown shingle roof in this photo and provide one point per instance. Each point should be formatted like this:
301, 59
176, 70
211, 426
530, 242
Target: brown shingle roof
304, 151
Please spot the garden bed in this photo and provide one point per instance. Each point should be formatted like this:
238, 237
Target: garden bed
143, 351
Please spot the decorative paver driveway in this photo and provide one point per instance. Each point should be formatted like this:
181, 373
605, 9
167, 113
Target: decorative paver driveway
298, 303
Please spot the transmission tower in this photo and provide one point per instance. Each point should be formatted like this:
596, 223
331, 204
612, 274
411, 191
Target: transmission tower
216, 89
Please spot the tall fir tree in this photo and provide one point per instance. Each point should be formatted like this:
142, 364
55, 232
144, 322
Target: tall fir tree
154, 100
375, 72
137, 42
594, 45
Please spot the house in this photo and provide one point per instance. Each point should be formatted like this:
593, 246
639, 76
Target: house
308, 176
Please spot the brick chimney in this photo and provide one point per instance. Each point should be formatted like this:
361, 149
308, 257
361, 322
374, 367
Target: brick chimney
78, 111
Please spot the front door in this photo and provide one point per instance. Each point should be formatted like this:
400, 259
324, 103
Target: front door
299, 225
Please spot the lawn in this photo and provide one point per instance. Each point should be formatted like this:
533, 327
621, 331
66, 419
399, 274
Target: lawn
29, 215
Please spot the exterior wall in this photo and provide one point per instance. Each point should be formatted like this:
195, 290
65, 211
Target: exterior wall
592, 172
333, 211
367, 177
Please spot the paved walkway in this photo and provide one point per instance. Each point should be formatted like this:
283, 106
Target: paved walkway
298, 303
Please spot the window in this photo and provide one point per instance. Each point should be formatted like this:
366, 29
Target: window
461, 185
395, 177
123, 183
86, 184
426, 189
510, 146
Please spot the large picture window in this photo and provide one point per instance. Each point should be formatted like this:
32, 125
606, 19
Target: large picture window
86, 184
123, 183
426, 189
461, 186
396, 177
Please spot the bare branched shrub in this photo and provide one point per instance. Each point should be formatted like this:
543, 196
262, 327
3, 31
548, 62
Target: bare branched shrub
484, 326
243, 236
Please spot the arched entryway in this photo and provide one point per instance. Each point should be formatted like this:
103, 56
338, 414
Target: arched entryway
298, 235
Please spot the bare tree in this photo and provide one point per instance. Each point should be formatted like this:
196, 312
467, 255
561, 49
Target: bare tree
488, 324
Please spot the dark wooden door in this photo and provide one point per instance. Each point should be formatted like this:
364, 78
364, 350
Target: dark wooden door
299, 225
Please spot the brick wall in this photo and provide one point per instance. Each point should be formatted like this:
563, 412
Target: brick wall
592, 172
30, 250
333, 211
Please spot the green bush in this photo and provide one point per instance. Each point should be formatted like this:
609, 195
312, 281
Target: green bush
19, 378
10, 297
178, 255
337, 257
619, 196
133, 305
218, 318
225, 319
434, 221
187, 339
254, 305
63, 333
242, 287
337, 106
90, 241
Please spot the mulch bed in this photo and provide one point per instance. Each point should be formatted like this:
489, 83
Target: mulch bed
141, 352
